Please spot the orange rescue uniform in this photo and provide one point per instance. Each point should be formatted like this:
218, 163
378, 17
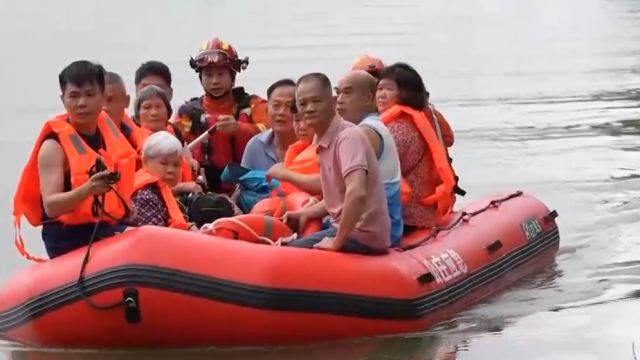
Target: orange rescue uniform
200, 114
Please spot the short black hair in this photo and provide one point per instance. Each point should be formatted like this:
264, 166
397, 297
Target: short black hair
323, 79
81, 73
153, 68
279, 83
410, 85
112, 78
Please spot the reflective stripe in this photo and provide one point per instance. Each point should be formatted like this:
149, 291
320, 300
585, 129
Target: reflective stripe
112, 127
436, 125
78, 144
268, 226
261, 127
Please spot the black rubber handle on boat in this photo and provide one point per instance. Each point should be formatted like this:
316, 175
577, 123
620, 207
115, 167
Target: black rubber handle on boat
131, 305
425, 278
550, 216
494, 246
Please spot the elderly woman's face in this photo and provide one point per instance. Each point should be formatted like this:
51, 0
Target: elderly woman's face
166, 168
153, 114
387, 94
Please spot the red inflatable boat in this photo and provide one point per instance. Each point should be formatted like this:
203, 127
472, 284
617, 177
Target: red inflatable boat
160, 287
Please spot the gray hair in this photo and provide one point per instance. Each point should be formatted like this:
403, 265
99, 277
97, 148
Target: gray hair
161, 144
147, 93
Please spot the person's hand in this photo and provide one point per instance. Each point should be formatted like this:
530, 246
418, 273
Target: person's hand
277, 171
192, 187
328, 243
227, 124
195, 165
187, 187
296, 219
312, 201
98, 184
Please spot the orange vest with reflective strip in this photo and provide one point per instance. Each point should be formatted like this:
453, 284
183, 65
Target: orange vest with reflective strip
176, 217
443, 196
185, 168
300, 158
117, 155
136, 137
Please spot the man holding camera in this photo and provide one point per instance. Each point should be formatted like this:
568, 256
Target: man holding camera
78, 180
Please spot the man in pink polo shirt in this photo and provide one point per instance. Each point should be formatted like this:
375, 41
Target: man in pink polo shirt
352, 190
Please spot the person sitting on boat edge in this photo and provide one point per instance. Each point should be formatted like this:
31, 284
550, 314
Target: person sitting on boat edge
153, 110
356, 103
352, 190
236, 115
153, 199
300, 170
116, 103
428, 179
269, 147
79, 160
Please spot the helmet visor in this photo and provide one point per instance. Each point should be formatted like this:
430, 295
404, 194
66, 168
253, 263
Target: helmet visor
212, 57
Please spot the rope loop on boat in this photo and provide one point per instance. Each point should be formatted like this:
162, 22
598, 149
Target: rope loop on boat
464, 216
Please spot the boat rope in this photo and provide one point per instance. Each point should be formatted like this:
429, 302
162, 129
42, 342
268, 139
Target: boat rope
98, 210
464, 216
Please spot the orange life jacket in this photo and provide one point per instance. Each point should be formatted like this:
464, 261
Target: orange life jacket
440, 125
186, 173
261, 229
301, 158
443, 197
118, 156
176, 217
136, 138
277, 206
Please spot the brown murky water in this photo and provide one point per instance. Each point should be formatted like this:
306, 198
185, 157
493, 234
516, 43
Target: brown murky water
543, 97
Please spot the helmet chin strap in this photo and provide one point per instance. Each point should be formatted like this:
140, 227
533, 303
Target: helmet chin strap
217, 97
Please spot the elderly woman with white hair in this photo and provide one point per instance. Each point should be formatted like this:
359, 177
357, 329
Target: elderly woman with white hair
153, 198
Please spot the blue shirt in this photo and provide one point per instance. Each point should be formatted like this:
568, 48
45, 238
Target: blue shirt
389, 163
260, 153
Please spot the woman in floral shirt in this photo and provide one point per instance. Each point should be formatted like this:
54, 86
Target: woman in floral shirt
402, 85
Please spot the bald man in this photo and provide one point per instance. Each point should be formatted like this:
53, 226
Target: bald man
356, 103
115, 104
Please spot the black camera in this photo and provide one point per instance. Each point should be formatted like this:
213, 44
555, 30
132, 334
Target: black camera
113, 176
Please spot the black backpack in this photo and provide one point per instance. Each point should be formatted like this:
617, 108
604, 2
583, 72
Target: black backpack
207, 208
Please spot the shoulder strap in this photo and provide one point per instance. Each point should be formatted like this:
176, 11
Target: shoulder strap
242, 100
193, 110
436, 124
176, 217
